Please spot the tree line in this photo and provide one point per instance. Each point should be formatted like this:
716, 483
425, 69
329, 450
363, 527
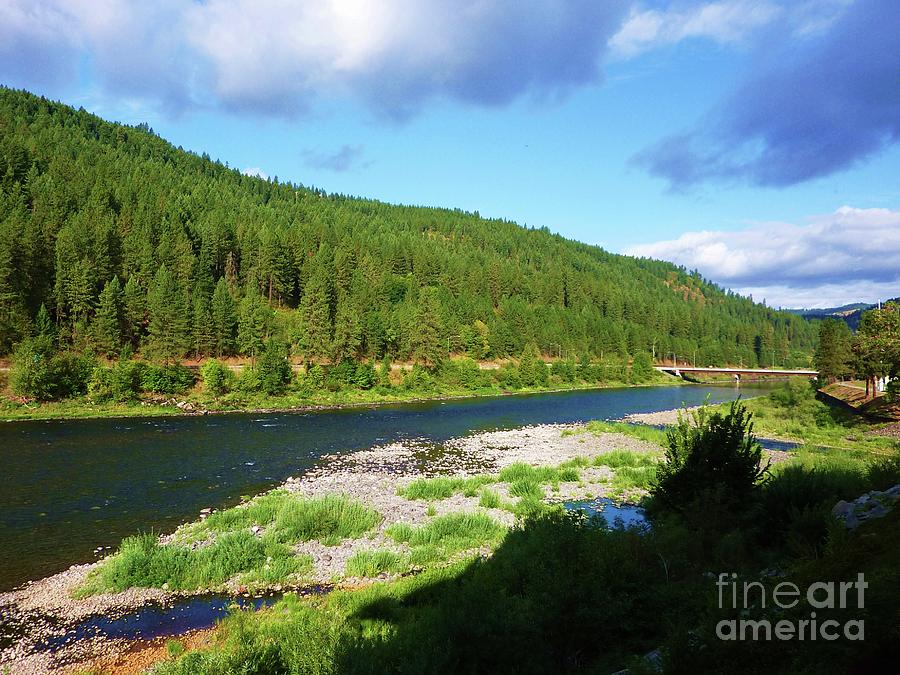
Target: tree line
115, 243
872, 353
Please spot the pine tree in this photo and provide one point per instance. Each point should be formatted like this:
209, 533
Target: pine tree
169, 332
315, 307
135, 312
832, 357
254, 323
347, 332
426, 340
203, 329
43, 324
224, 319
107, 326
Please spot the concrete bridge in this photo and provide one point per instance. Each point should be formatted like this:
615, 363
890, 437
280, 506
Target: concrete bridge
678, 370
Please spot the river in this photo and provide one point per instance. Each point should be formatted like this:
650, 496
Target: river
69, 487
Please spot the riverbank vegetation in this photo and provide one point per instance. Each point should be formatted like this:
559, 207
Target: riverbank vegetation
114, 243
136, 388
561, 593
792, 412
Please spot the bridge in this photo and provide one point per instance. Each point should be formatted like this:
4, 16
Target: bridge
678, 370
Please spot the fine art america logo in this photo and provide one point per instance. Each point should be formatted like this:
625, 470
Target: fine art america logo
821, 595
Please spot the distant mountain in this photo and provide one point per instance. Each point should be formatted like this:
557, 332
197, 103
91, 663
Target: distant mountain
850, 313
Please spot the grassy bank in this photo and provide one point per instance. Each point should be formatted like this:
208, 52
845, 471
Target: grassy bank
198, 399
792, 412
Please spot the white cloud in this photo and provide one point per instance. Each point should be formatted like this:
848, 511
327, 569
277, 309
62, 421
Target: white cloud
849, 255
281, 56
727, 21
255, 171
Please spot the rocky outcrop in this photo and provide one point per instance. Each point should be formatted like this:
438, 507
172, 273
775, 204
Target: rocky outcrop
874, 504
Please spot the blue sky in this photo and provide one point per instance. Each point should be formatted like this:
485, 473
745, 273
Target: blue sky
753, 140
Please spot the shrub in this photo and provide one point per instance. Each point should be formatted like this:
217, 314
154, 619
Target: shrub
170, 379
314, 379
218, 378
793, 392
418, 379
341, 375
365, 376
248, 381
564, 370
641, 368
463, 373
120, 383
711, 458
893, 390
273, 370
508, 376
39, 374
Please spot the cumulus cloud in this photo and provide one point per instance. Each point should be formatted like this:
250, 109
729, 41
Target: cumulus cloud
282, 56
822, 104
850, 255
255, 171
723, 22
348, 157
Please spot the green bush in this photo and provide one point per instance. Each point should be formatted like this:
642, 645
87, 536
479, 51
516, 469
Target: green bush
218, 378
508, 376
120, 383
365, 376
712, 459
314, 379
341, 375
564, 370
893, 390
641, 368
170, 379
418, 379
793, 393
40, 374
463, 373
248, 382
273, 369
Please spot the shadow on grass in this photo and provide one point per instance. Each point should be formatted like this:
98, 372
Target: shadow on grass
562, 595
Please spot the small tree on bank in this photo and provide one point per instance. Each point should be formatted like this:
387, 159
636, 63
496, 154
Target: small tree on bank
713, 460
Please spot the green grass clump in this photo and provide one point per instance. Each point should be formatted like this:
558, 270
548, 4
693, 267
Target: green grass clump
449, 534
142, 561
443, 487
488, 499
538, 474
620, 458
174, 648
527, 489
373, 563
633, 477
289, 519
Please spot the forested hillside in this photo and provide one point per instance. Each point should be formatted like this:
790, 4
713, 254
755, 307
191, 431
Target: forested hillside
112, 239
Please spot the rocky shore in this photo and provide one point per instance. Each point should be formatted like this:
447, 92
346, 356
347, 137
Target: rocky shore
43, 609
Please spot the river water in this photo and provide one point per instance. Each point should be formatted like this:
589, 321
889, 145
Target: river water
71, 487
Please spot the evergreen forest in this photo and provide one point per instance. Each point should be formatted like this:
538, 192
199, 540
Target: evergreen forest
114, 243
